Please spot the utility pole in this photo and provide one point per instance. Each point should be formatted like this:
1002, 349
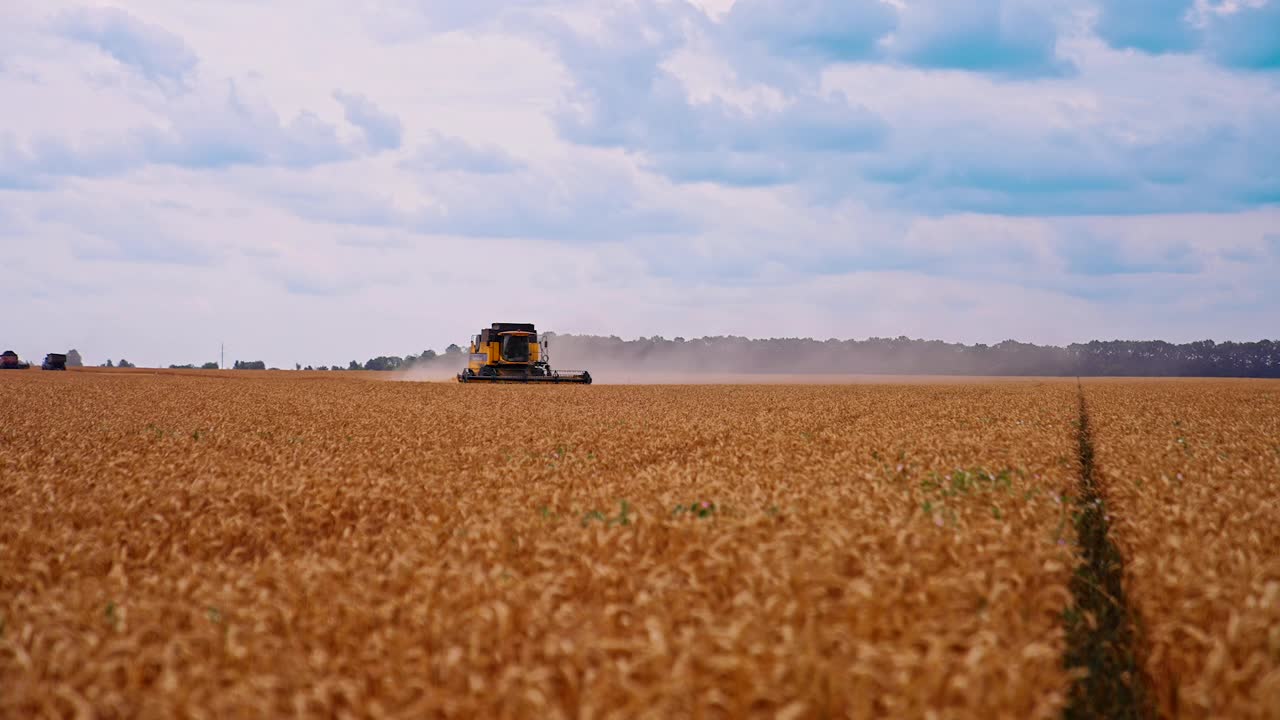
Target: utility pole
222, 356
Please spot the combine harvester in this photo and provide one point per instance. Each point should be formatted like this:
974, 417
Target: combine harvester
513, 353
9, 360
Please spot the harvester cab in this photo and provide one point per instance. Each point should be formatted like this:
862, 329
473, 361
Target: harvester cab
514, 352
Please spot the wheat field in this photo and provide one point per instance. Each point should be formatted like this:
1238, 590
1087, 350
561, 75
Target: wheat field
272, 544
1192, 471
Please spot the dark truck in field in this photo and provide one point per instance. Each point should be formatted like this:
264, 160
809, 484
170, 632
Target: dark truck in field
54, 361
9, 360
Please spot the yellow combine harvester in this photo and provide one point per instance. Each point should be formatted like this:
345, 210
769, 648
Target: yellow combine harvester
513, 352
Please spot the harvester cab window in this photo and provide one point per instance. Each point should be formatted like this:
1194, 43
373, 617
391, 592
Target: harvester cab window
515, 348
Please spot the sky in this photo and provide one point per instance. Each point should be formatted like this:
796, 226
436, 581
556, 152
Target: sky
317, 181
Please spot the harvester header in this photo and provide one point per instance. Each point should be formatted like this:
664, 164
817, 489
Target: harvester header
514, 352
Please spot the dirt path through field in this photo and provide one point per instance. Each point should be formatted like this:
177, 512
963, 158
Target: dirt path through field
1100, 632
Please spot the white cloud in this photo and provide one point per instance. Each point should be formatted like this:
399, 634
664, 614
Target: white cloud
382, 130
151, 50
443, 153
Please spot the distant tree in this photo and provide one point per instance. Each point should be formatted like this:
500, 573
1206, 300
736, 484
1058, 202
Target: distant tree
384, 363
74, 359
209, 366
107, 363
334, 368
298, 366
182, 367
249, 365
310, 368
425, 358
125, 364
354, 366
453, 349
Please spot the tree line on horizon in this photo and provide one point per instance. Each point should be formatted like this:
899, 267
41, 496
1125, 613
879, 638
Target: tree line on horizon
380, 363
897, 356
875, 356
908, 356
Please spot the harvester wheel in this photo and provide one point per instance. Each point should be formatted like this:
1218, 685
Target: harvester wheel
488, 371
